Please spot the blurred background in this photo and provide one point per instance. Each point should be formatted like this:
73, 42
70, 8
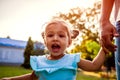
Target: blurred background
21, 23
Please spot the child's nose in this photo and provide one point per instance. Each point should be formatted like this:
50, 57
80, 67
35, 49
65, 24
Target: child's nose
55, 37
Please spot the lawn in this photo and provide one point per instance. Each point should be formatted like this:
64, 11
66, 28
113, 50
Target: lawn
10, 71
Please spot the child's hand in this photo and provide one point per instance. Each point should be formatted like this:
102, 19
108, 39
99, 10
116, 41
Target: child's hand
106, 51
5, 79
107, 33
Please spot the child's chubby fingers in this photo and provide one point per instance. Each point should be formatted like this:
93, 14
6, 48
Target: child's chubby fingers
106, 51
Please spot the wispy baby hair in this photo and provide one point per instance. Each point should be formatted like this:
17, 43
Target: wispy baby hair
72, 34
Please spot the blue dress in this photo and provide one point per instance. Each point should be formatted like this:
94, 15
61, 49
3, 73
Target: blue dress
61, 69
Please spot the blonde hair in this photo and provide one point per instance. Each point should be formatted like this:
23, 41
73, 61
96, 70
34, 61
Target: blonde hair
72, 34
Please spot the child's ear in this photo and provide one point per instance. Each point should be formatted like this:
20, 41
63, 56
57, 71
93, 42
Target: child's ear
69, 43
75, 33
42, 35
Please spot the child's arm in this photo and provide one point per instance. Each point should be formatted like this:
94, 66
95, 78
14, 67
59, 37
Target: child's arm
30, 76
95, 64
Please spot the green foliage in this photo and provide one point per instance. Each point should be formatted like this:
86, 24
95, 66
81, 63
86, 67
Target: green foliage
28, 51
38, 52
38, 49
89, 49
86, 21
92, 49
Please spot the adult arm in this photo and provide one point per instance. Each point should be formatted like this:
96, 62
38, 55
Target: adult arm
107, 31
106, 8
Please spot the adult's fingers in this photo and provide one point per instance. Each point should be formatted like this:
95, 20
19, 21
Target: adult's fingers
107, 43
102, 44
115, 33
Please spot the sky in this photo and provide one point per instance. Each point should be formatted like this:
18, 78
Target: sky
21, 19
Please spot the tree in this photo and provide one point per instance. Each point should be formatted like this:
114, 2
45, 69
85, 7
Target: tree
8, 37
28, 51
85, 20
39, 49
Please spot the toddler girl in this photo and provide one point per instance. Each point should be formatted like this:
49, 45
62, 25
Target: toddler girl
59, 65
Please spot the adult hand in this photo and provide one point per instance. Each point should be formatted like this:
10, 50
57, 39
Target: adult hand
107, 33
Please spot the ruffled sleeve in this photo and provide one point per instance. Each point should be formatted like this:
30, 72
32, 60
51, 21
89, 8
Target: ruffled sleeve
33, 62
40, 63
77, 57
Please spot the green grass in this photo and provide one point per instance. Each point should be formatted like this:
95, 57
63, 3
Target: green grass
82, 76
10, 71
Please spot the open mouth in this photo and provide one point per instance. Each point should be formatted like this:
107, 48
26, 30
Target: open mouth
55, 47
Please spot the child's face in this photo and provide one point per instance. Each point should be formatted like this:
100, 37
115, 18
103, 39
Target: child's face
56, 38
